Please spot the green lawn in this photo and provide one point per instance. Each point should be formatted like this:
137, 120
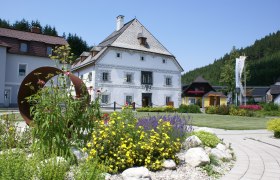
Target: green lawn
222, 121
212, 120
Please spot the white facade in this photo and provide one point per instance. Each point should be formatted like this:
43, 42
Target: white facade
11, 77
116, 71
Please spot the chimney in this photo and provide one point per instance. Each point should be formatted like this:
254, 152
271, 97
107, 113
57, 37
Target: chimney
35, 29
120, 22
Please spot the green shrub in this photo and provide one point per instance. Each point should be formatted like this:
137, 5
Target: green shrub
189, 108
208, 139
223, 110
270, 106
90, 170
157, 109
13, 165
274, 125
211, 109
236, 111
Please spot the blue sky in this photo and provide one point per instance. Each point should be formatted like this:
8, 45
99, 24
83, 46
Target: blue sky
196, 31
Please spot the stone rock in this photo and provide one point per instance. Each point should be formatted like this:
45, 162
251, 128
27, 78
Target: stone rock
221, 154
169, 164
196, 157
191, 142
221, 147
207, 150
79, 154
206, 129
136, 173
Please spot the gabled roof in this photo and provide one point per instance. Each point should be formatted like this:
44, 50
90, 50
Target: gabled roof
29, 36
256, 91
127, 38
213, 93
200, 79
275, 89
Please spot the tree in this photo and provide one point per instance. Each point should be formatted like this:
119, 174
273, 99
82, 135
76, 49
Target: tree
48, 30
227, 76
4, 23
77, 44
22, 25
36, 24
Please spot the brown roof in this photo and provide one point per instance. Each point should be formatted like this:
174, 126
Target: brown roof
200, 79
212, 93
29, 36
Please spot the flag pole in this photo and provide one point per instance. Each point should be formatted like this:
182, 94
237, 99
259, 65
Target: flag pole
245, 81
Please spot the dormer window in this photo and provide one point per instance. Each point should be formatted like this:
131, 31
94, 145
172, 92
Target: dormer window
23, 47
163, 61
142, 39
142, 58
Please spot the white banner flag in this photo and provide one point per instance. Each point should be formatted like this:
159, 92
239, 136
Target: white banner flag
239, 66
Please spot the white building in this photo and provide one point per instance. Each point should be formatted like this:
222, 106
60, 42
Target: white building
20, 53
131, 65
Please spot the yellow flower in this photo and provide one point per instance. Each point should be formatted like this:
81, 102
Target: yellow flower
93, 152
84, 149
118, 117
89, 145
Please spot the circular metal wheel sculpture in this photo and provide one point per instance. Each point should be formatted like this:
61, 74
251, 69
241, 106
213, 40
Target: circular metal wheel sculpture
42, 74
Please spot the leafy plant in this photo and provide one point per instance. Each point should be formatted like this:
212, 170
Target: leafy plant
13, 165
189, 108
122, 144
208, 139
157, 109
274, 125
90, 170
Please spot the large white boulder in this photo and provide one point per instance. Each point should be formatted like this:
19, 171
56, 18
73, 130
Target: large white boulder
136, 173
221, 147
191, 142
221, 154
206, 129
196, 157
169, 164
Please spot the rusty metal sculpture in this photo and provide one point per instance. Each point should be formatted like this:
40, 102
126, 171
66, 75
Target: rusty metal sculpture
42, 75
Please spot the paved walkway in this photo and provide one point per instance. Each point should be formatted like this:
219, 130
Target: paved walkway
257, 154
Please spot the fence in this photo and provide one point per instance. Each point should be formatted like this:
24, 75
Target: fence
133, 104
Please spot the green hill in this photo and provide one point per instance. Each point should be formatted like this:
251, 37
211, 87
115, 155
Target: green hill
263, 62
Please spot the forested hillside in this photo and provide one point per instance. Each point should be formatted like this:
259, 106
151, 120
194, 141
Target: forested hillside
263, 63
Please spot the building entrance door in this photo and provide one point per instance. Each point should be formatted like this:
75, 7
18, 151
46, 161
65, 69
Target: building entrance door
146, 99
7, 97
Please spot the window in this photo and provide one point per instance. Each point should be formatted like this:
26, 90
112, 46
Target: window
128, 78
146, 77
23, 47
105, 99
81, 77
191, 100
163, 61
49, 50
168, 81
22, 69
105, 76
167, 99
118, 55
128, 100
142, 58
90, 76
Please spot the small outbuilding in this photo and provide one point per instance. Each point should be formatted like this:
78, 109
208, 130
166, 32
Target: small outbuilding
201, 93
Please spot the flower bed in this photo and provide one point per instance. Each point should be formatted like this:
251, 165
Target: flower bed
251, 107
